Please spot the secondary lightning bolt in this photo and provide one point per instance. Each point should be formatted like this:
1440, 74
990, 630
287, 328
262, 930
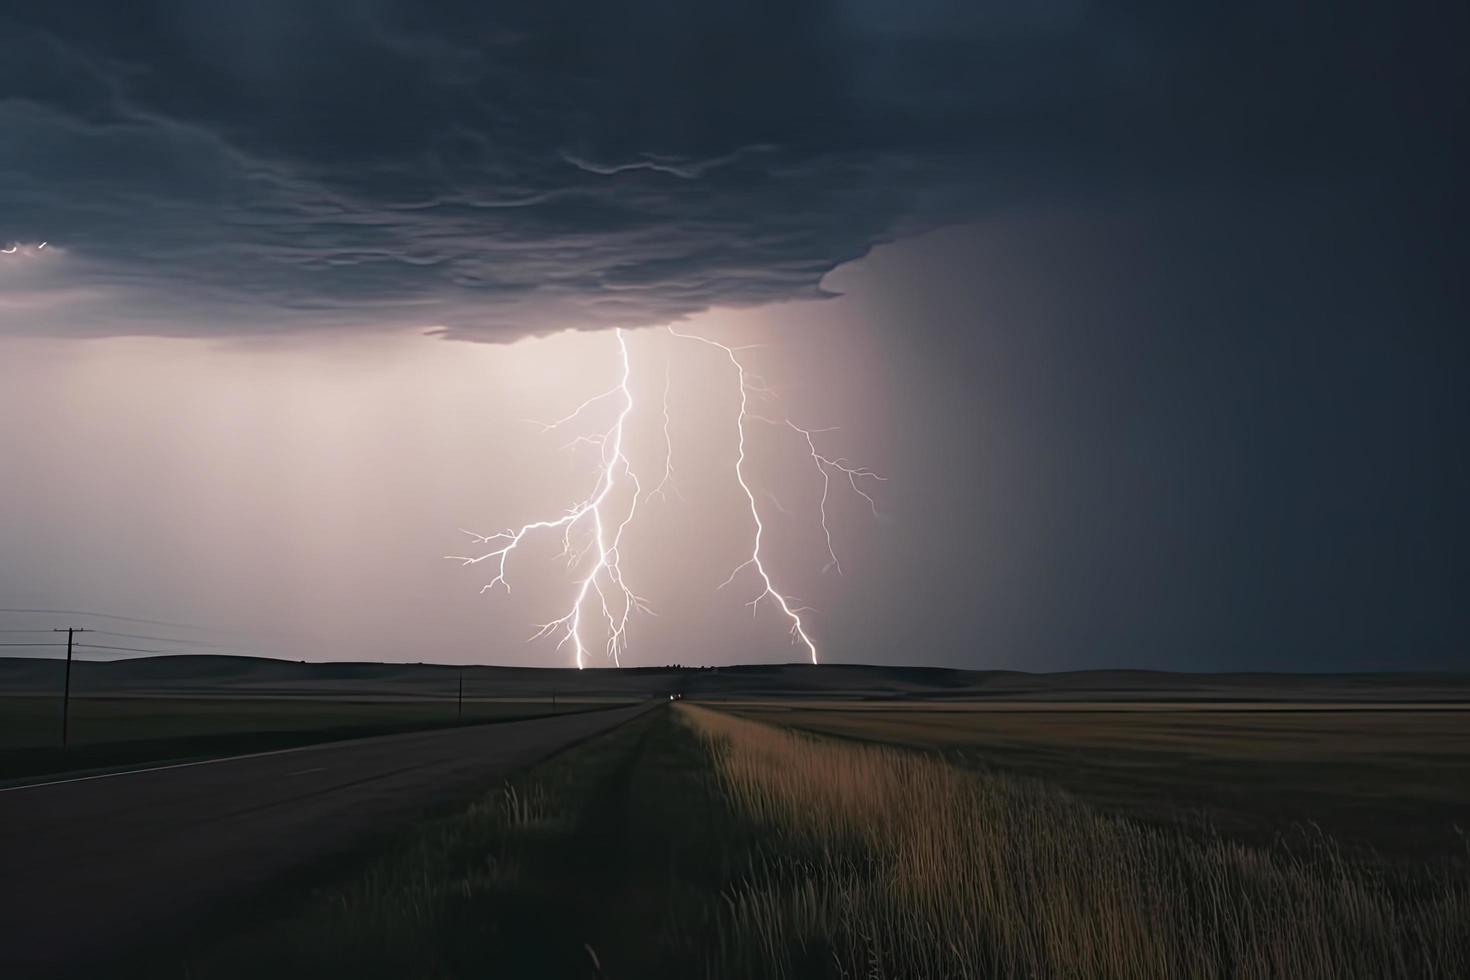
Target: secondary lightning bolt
825, 465
613, 461
668, 477
768, 590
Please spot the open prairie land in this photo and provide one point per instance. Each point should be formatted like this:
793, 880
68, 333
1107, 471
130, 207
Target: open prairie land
839, 822
697, 843
1395, 778
28, 722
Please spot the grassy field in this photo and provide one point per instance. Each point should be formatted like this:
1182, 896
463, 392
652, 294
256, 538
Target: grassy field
695, 843
1397, 781
114, 731
900, 864
33, 722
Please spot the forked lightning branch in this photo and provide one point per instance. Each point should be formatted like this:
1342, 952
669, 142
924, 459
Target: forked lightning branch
592, 530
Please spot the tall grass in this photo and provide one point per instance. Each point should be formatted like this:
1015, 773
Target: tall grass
411, 913
876, 862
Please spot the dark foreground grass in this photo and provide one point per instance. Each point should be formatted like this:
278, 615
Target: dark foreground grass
899, 864
690, 844
585, 867
123, 731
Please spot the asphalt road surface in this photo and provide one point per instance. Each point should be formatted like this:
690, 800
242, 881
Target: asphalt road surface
91, 867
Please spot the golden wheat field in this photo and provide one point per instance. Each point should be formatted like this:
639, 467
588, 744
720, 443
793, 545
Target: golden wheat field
904, 866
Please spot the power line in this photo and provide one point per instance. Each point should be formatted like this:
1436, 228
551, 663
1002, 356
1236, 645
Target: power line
161, 639
128, 636
28, 645
124, 619
103, 646
174, 653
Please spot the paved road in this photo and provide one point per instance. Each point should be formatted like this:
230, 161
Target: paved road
89, 867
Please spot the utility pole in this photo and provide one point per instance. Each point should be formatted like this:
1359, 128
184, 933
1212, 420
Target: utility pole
460, 716
70, 631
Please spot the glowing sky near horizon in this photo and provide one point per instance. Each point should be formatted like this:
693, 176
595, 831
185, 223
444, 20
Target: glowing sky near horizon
313, 485
1078, 477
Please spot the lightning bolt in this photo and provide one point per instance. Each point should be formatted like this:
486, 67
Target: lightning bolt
602, 584
768, 588
825, 466
668, 477
606, 572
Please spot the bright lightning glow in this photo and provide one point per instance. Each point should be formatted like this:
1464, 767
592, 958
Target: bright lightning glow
798, 631
602, 552
606, 567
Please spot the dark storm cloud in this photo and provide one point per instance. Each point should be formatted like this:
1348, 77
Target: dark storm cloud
501, 169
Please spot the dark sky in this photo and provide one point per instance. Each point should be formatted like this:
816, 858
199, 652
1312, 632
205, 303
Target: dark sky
1171, 328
